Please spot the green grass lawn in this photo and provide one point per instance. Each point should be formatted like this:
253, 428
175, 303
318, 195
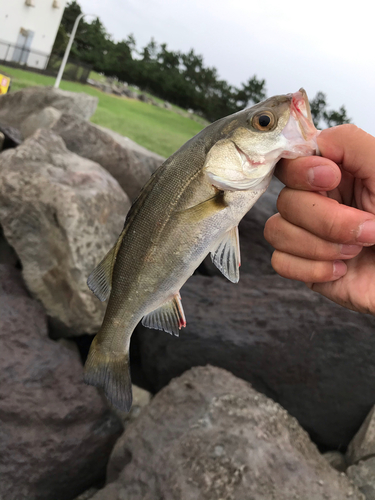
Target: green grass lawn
160, 130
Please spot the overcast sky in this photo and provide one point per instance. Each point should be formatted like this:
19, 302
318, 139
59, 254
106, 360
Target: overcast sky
327, 46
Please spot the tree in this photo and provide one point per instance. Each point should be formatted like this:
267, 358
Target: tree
319, 112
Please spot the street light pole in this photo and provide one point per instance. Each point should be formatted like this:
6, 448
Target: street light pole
67, 50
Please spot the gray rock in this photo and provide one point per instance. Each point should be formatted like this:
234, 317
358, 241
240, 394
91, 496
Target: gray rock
41, 119
56, 433
295, 346
363, 476
129, 93
7, 253
362, 445
11, 137
15, 107
141, 398
144, 98
211, 436
130, 164
336, 460
61, 213
87, 494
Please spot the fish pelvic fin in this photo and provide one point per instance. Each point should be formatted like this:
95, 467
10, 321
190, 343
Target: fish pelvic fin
111, 371
170, 317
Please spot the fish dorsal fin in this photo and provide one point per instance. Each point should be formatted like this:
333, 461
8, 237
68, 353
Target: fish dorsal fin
169, 317
100, 280
226, 256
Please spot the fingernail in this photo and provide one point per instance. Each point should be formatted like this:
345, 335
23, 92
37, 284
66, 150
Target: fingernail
366, 232
339, 268
349, 249
321, 176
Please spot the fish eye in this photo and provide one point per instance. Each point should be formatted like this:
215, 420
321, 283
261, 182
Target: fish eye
263, 121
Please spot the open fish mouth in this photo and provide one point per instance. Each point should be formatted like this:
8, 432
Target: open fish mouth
300, 110
300, 131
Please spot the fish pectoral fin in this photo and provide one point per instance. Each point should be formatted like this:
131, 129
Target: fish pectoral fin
231, 184
204, 210
169, 317
226, 256
100, 280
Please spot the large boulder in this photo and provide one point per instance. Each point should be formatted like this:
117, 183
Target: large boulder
15, 107
56, 433
130, 164
211, 436
61, 213
312, 356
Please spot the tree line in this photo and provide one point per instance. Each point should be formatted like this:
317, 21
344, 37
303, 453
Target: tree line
180, 78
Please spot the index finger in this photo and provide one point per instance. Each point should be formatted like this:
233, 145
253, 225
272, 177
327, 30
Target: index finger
350, 147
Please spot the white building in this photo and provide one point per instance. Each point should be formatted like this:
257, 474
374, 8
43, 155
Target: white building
28, 30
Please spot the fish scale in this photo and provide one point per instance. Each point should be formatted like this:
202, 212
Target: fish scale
191, 206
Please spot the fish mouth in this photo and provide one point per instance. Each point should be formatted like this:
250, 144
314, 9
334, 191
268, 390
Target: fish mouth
300, 110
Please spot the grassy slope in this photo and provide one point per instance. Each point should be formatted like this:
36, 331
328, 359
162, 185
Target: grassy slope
155, 128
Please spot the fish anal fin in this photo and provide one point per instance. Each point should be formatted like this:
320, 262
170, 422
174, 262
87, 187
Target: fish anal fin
169, 317
111, 372
226, 255
204, 210
100, 280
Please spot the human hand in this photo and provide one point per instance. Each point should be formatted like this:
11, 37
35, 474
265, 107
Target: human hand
325, 228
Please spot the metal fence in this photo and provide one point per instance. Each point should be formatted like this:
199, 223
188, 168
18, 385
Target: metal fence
49, 64
23, 56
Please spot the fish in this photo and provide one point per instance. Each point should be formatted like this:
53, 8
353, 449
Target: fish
190, 207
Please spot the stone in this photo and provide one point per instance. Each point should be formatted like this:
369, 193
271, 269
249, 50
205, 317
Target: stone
307, 353
87, 494
130, 164
363, 476
141, 398
336, 460
209, 435
12, 137
56, 433
7, 253
41, 119
362, 445
15, 107
61, 213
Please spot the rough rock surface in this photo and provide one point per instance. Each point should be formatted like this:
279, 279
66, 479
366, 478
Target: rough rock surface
363, 476
61, 213
56, 433
11, 136
40, 119
210, 436
130, 164
362, 445
293, 345
336, 460
15, 107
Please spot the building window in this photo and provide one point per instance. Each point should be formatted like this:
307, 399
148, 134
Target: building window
55, 4
30, 3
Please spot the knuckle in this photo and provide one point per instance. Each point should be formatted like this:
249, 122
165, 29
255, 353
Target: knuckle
270, 228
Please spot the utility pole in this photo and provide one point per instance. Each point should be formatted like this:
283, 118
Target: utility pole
67, 50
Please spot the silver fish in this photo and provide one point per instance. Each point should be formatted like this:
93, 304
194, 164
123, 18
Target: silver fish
190, 207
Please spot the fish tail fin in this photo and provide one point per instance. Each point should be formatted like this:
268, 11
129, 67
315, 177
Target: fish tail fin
111, 372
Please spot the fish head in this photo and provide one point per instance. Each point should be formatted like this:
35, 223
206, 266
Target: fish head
254, 140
